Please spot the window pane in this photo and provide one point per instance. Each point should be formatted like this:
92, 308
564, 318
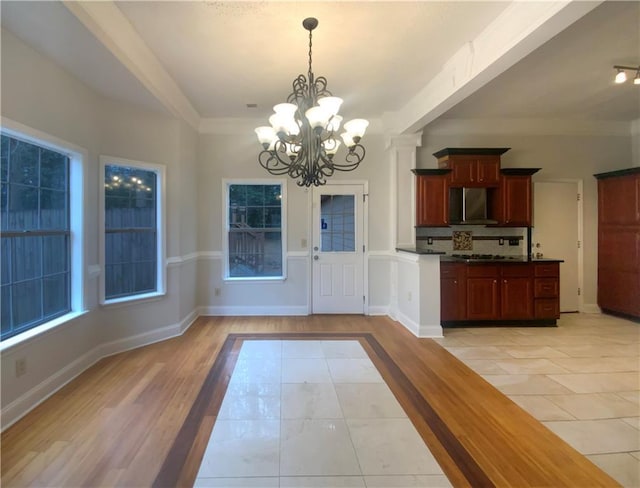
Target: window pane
23, 163
5, 310
53, 209
255, 217
255, 195
23, 207
131, 254
337, 223
4, 205
5, 255
272, 217
54, 292
54, 256
237, 195
4, 158
53, 170
272, 195
27, 262
26, 303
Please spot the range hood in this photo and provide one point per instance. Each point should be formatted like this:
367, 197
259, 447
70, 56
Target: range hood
468, 206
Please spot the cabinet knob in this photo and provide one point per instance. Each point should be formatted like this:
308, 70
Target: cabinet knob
495, 281
505, 281
455, 282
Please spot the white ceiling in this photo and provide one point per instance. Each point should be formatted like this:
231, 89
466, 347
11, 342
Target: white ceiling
375, 55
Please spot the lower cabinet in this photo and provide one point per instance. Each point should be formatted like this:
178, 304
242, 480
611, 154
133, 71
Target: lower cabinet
514, 291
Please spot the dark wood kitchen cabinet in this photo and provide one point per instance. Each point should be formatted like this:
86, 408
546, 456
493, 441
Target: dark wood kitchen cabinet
619, 242
511, 203
501, 292
482, 292
453, 291
432, 197
471, 167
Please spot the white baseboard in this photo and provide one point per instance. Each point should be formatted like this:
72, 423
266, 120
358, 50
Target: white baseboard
590, 308
39, 393
421, 331
378, 310
252, 311
430, 331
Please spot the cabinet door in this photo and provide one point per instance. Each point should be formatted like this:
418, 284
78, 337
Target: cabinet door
432, 200
516, 200
516, 298
482, 299
449, 299
464, 171
488, 171
619, 200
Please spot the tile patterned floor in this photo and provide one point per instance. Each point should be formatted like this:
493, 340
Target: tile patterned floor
313, 414
580, 379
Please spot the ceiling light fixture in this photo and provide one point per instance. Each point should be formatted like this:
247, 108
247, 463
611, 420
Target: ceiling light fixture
302, 139
621, 74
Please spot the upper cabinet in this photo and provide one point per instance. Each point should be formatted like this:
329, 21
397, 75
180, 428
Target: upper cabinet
471, 167
511, 203
432, 197
619, 197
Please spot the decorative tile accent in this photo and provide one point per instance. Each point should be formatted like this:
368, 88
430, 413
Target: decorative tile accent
462, 240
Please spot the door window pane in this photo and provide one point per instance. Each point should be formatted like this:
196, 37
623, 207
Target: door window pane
337, 223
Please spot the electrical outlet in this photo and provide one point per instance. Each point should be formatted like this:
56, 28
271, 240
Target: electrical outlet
514, 242
501, 242
303, 243
21, 367
216, 292
429, 241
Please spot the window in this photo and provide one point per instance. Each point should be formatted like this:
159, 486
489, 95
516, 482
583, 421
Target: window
255, 230
36, 235
133, 238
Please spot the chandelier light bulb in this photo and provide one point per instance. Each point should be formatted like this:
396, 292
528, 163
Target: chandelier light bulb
317, 117
331, 146
636, 80
621, 76
334, 123
356, 128
266, 135
348, 139
330, 104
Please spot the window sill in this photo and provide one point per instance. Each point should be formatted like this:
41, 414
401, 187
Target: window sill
40, 330
257, 280
133, 300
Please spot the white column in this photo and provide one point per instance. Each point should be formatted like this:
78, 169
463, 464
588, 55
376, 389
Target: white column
402, 158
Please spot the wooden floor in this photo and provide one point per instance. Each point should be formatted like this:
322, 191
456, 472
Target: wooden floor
118, 424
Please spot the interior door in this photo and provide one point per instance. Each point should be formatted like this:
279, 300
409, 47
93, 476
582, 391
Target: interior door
556, 232
338, 253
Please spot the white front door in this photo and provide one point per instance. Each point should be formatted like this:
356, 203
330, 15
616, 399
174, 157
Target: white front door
555, 231
338, 253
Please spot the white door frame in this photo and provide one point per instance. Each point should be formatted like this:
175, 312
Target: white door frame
580, 202
365, 240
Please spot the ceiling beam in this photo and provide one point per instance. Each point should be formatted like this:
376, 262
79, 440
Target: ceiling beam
109, 25
518, 30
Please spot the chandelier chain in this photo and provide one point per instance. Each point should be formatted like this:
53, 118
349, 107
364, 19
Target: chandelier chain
310, 34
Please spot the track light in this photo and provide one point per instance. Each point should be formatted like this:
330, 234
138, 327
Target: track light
621, 74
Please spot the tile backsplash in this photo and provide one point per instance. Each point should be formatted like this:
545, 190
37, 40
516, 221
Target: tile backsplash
476, 239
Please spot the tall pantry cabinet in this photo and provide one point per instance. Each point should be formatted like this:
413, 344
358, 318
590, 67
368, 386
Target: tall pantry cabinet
619, 241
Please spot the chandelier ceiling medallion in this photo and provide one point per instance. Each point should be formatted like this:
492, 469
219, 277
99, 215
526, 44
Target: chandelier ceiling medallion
302, 140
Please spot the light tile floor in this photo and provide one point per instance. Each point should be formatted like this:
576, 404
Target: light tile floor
313, 414
580, 379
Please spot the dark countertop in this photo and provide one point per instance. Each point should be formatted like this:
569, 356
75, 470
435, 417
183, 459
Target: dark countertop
450, 259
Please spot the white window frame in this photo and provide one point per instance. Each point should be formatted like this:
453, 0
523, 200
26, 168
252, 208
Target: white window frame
77, 157
226, 183
161, 263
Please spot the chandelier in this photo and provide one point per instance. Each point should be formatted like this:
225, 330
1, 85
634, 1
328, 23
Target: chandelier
302, 140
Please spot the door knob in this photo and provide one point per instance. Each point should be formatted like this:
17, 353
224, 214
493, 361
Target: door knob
315, 258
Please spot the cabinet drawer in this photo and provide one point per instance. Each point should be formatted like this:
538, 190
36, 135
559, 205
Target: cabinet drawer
448, 270
546, 288
516, 270
547, 308
483, 271
550, 269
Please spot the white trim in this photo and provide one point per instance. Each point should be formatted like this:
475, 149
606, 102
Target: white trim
378, 310
241, 311
39, 393
161, 221
422, 331
175, 260
298, 255
381, 255
210, 255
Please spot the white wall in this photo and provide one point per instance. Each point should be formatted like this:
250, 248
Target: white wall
561, 151
42, 96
